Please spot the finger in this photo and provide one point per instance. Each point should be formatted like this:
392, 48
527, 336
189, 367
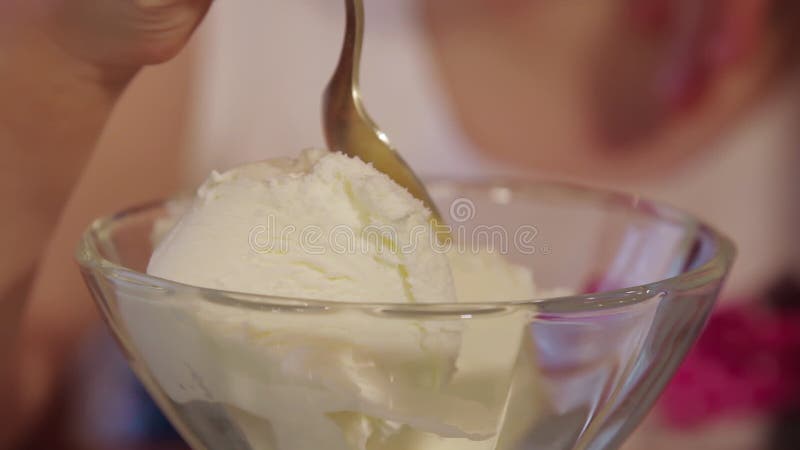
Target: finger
123, 33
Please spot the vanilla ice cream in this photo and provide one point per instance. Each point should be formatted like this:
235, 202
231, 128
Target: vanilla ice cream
324, 226
329, 227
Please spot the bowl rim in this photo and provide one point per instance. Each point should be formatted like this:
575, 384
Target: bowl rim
717, 266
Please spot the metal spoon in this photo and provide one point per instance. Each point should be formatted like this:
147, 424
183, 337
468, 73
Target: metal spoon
347, 126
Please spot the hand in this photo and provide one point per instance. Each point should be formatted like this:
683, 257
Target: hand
63, 64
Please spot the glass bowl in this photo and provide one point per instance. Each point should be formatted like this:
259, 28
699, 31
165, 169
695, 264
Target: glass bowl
236, 371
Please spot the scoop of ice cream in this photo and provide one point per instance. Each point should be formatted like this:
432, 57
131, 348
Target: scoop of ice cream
322, 226
327, 226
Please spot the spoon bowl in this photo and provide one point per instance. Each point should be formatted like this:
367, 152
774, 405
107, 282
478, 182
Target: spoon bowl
346, 124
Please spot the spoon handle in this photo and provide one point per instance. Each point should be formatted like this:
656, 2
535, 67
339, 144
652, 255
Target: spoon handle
350, 58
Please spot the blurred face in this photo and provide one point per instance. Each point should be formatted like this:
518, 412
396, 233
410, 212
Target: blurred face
604, 87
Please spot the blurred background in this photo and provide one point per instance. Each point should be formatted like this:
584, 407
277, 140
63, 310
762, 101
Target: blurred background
692, 102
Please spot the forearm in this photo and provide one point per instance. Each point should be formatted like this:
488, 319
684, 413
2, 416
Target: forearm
52, 110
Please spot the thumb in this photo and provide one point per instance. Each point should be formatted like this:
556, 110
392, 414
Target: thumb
122, 33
